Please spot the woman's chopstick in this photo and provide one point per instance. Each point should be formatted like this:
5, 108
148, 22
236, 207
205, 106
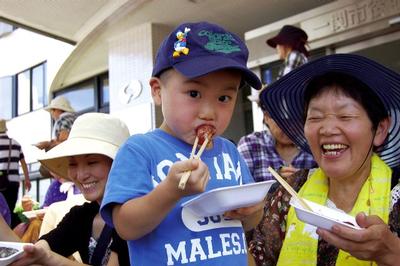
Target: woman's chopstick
186, 175
289, 189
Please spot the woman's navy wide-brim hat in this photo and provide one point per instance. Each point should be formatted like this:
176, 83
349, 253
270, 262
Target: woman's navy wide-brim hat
284, 99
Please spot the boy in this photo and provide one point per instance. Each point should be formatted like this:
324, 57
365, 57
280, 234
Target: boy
196, 79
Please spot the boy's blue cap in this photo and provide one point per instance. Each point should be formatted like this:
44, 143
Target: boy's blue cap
196, 49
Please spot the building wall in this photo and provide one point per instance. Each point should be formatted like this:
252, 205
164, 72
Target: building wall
366, 27
19, 51
131, 57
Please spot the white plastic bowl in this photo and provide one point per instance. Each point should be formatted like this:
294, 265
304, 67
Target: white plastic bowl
322, 216
32, 214
220, 200
18, 246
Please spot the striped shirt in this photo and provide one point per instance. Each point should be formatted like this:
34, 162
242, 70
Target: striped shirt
258, 151
64, 122
16, 156
293, 60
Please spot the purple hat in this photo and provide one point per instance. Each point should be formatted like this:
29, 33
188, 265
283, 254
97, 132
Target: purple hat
196, 49
289, 35
284, 99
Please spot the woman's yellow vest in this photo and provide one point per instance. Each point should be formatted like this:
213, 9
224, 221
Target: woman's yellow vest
301, 242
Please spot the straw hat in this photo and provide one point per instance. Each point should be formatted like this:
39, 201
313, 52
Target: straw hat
91, 133
284, 99
3, 126
60, 103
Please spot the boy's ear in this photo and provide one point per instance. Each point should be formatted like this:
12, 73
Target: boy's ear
155, 85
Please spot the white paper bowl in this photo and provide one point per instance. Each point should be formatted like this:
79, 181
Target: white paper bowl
220, 200
322, 216
33, 214
18, 246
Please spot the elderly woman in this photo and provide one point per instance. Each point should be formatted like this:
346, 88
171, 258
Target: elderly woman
84, 158
344, 109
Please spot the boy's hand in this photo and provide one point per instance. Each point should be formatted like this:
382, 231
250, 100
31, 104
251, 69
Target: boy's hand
249, 216
197, 181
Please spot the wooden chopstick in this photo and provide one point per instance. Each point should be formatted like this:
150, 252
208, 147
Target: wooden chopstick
289, 189
202, 148
196, 141
186, 175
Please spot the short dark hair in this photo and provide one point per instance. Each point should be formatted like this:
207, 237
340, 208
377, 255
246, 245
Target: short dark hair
350, 86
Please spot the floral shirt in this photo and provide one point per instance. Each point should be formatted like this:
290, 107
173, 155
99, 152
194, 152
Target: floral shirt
267, 239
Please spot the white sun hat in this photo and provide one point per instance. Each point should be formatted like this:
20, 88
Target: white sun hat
60, 103
91, 133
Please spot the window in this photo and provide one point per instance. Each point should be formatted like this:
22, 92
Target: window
31, 89
6, 29
39, 95
104, 94
23, 92
6, 93
81, 96
91, 95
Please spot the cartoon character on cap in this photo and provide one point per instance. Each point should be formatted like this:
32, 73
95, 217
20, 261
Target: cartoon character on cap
180, 44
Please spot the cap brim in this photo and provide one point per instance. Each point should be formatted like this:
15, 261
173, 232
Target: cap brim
285, 103
272, 42
200, 66
56, 159
49, 107
278, 39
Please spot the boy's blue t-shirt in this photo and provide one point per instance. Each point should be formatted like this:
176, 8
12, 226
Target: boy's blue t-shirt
181, 238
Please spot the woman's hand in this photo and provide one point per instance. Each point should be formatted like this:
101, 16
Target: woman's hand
41, 254
43, 145
34, 255
375, 242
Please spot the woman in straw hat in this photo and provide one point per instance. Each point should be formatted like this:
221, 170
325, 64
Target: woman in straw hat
64, 116
85, 158
344, 109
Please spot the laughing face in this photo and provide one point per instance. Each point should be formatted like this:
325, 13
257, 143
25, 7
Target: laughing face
89, 172
340, 134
